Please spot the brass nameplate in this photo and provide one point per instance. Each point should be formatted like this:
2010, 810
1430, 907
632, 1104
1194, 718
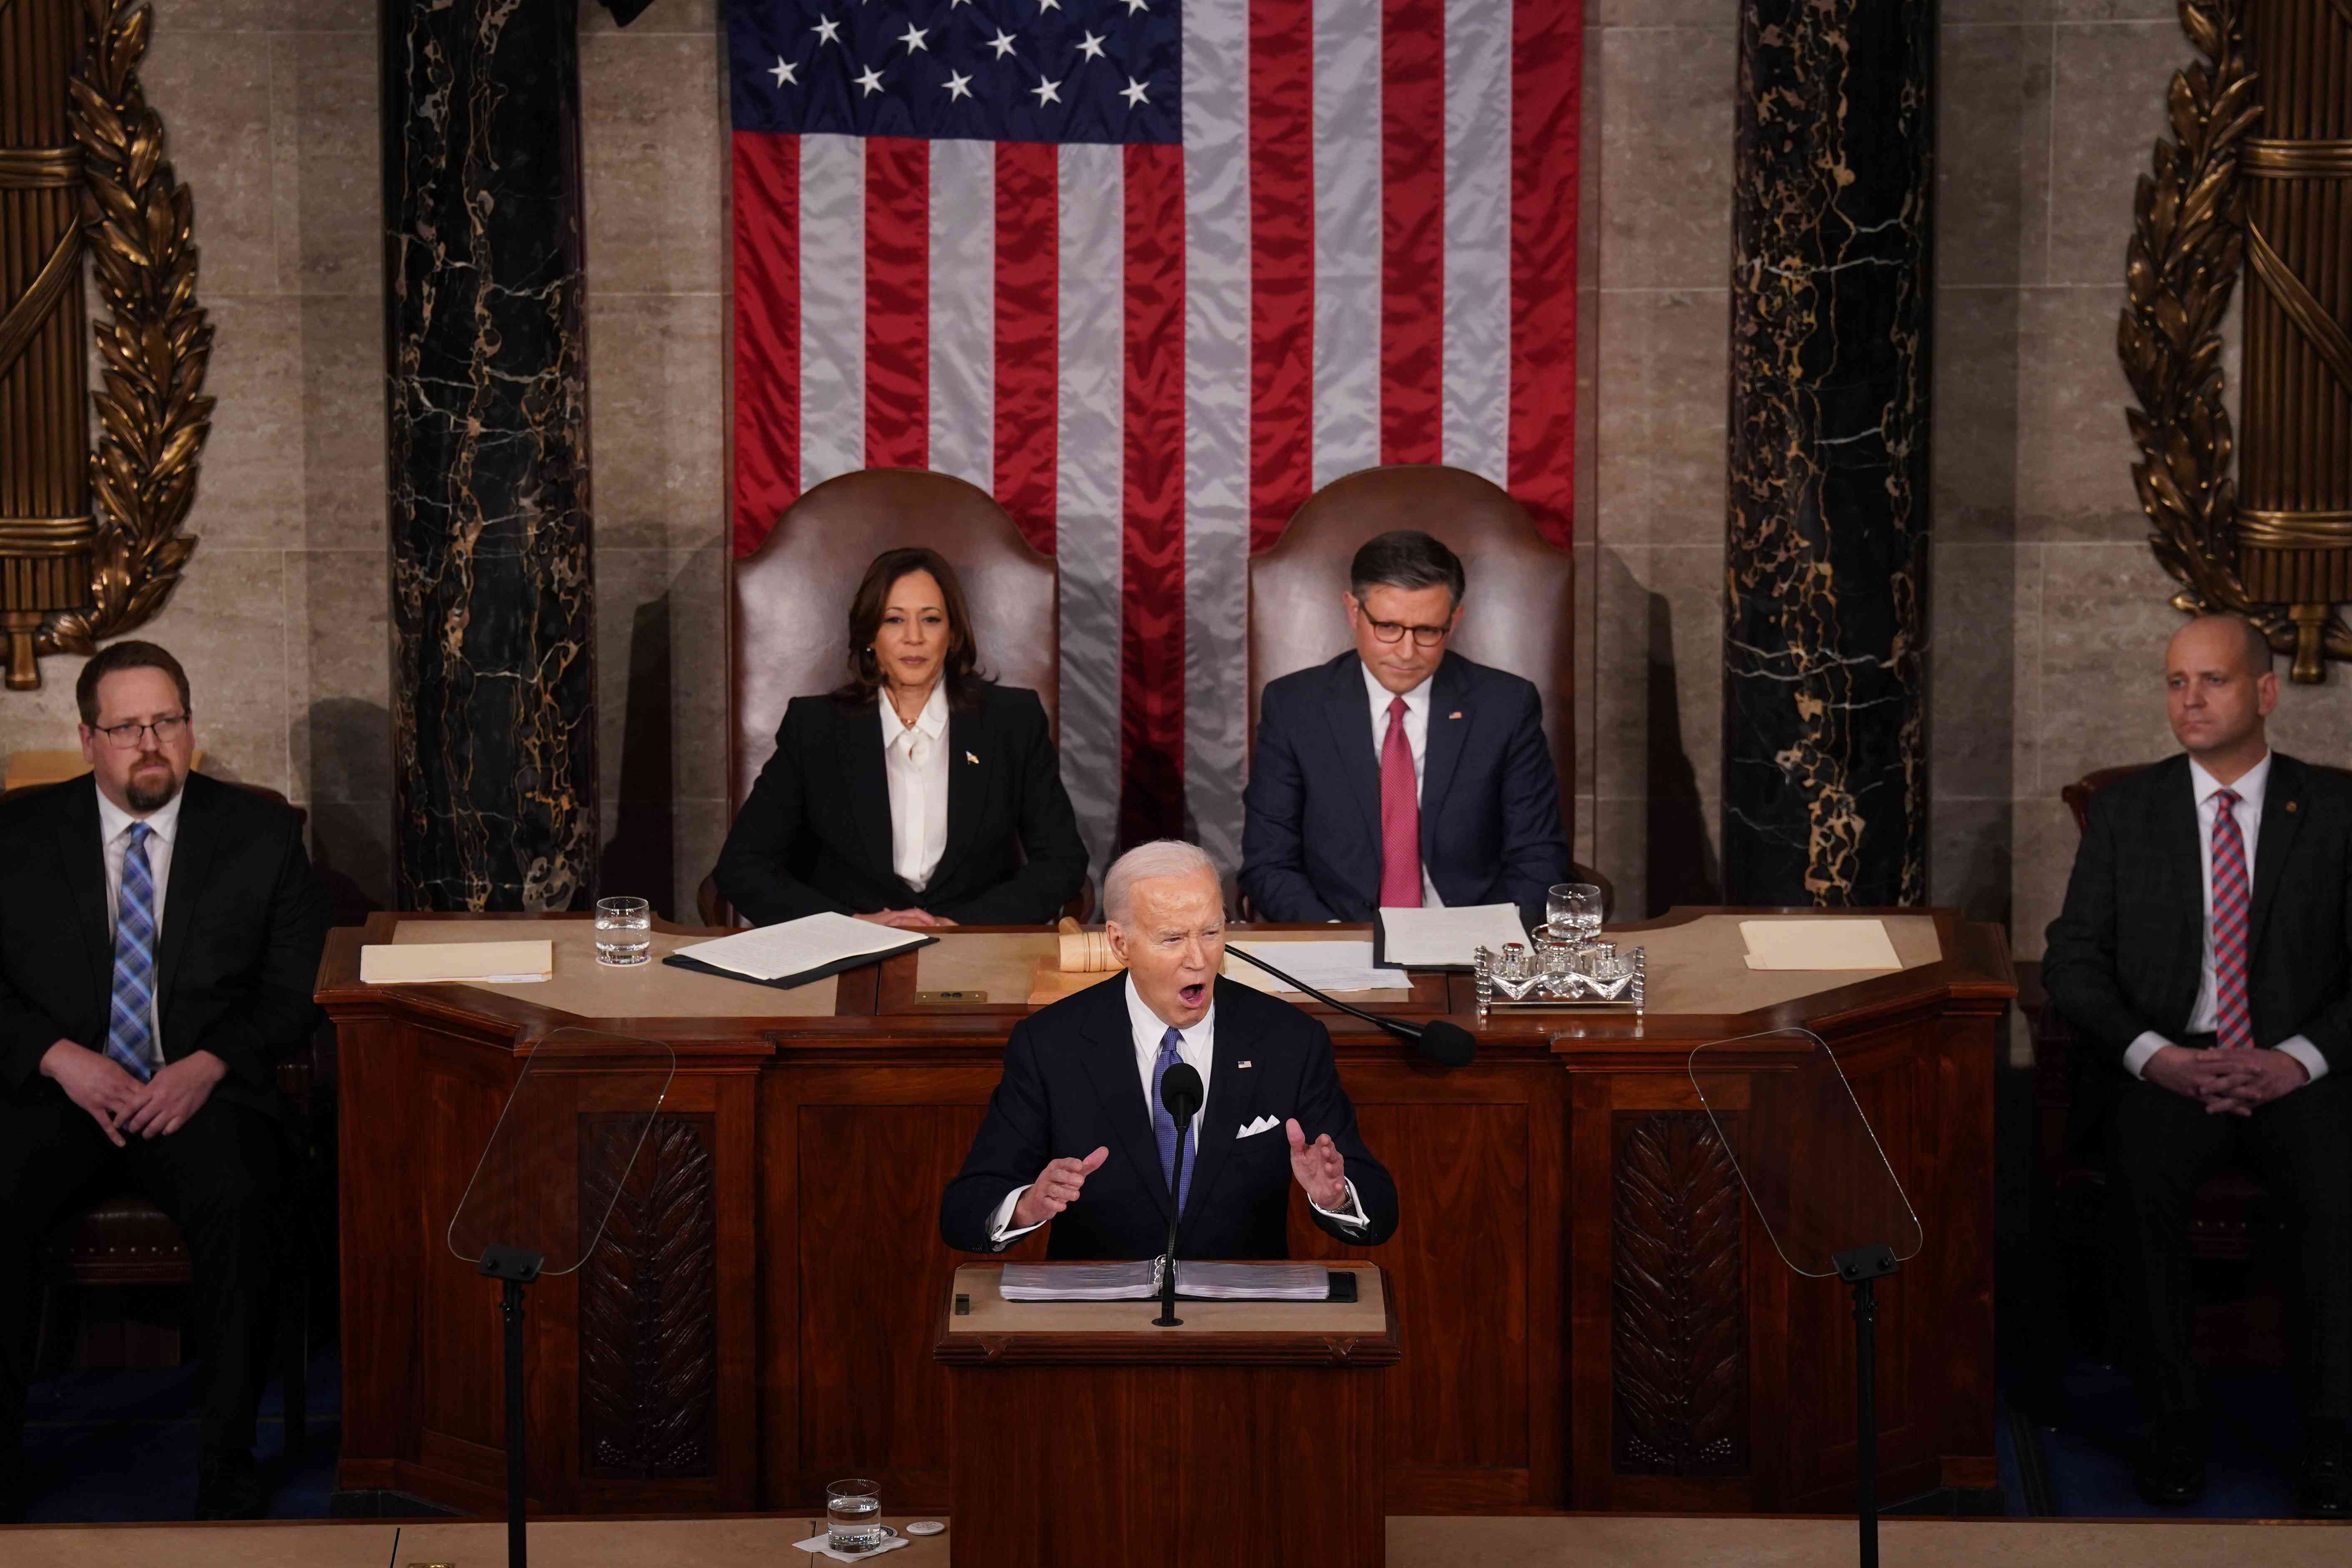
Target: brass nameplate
948, 998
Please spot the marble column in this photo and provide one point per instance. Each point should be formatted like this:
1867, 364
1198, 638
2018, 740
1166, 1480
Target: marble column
1825, 618
494, 636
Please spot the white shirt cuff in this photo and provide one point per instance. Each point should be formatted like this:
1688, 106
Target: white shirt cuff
997, 1236
1352, 1214
2136, 1054
2302, 1050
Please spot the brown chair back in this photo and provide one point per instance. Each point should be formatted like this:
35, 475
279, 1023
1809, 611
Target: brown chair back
790, 599
1520, 613
2077, 795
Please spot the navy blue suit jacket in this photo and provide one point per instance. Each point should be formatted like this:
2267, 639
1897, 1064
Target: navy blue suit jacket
1071, 1087
1490, 828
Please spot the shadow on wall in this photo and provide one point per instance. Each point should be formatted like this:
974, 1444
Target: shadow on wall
1683, 867
642, 855
350, 809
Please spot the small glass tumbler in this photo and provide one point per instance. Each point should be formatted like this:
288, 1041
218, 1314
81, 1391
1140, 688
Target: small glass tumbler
1574, 908
853, 1516
625, 931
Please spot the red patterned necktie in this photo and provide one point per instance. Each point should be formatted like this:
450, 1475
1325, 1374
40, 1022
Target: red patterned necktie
1399, 817
2231, 900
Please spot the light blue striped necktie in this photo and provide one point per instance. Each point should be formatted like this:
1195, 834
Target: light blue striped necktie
131, 1025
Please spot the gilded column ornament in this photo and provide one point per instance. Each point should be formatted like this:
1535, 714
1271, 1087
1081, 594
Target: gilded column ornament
89, 543
1826, 617
2276, 545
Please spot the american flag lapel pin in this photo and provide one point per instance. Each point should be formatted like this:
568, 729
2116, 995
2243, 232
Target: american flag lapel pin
1242, 1064
969, 757
1455, 714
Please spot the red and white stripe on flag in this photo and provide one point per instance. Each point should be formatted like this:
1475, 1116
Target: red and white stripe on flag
1363, 252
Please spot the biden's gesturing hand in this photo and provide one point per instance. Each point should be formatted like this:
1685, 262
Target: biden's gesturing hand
1056, 1189
1319, 1167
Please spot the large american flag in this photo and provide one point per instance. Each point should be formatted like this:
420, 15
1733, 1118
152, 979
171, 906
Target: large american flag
1151, 272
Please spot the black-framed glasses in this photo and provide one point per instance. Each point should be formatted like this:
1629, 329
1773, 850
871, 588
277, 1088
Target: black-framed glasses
1394, 631
166, 730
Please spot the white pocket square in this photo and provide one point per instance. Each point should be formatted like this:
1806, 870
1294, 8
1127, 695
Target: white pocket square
1263, 1124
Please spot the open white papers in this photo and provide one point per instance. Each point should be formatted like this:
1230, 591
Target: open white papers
1818, 944
1141, 1281
1326, 965
1443, 938
435, 962
812, 945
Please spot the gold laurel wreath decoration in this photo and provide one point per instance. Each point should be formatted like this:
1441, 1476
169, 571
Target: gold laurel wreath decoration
2188, 246
138, 222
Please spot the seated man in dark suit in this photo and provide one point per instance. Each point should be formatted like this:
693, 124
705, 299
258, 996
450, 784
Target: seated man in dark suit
1399, 774
2205, 957
1076, 1134
160, 935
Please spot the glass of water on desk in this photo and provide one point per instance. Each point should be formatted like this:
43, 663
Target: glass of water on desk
853, 1516
1573, 909
625, 931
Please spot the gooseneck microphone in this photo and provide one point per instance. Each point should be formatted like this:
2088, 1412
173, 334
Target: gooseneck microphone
1447, 1044
1180, 1095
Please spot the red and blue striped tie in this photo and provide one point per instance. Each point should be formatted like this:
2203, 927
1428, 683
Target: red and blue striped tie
2232, 899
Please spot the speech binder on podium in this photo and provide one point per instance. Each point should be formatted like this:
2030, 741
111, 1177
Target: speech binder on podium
1081, 1433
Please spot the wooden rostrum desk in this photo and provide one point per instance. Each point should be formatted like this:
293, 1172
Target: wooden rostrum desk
1593, 1318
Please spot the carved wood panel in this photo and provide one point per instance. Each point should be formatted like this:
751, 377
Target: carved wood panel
1679, 1311
648, 1303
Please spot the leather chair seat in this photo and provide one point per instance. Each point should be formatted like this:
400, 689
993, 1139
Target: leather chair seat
124, 1240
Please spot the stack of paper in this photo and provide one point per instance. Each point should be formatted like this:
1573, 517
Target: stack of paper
804, 948
435, 962
1326, 965
1080, 1282
1253, 1281
1817, 943
1445, 939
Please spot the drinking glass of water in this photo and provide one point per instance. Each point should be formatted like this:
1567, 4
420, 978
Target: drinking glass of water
853, 1516
625, 931
1574, 908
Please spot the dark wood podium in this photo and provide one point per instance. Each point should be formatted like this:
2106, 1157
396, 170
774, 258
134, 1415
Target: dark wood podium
1081, 1433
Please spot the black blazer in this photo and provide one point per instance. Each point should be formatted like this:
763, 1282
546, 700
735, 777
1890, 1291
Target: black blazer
1070, 1087
244, 924
816, 834
1490, 830
2126, 954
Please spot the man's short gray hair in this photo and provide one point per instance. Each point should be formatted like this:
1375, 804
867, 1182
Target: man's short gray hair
1160, 857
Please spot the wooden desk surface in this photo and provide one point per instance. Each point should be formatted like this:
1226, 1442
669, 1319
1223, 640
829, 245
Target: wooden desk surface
1543, 1540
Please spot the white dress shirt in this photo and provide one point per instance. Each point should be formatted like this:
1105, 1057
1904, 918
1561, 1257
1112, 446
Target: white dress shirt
1197, 1048
916, 761
1416, 736
2205, 1017
114, 825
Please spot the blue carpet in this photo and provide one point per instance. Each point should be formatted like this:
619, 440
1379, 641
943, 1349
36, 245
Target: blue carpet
2256, 1434
110, 1445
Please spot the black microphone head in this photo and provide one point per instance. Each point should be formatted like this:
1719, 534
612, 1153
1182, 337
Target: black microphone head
1447, 1045
1180, 1092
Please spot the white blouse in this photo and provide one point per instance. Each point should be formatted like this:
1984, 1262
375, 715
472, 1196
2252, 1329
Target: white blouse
914, 759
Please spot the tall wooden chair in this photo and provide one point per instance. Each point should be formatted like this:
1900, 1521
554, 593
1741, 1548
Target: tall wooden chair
789, 605
1521, 599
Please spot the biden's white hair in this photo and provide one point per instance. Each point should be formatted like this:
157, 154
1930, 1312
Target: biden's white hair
1160, 857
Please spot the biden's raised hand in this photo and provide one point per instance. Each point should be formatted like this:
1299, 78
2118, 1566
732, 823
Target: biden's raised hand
1056, 1188
1318, 1166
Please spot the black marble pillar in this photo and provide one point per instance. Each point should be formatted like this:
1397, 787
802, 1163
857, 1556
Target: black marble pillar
1825, 619
494, 674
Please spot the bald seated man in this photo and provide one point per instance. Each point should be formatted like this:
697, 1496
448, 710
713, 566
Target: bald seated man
1075, 1134
2205, 958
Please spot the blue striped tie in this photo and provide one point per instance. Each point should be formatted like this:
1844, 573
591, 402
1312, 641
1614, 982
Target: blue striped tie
1163, 1126
130, 1028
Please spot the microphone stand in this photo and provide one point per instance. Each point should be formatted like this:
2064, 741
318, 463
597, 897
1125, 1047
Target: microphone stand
1168, 1317
1448, 1044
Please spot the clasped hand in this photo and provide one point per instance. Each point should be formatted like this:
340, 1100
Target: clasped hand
2228, 1083
1318, 1168
120, 1103
906, 920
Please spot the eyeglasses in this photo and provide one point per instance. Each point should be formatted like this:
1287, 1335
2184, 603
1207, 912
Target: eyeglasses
166, 730
1423, 636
